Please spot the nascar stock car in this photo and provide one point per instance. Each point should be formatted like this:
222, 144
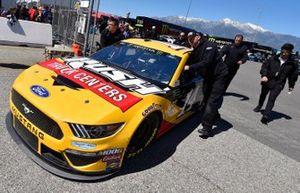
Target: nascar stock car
79, 118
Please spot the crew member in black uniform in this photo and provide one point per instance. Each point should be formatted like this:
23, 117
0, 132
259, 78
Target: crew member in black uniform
182, 40
235, 55
206, 60
111, 34
274, 73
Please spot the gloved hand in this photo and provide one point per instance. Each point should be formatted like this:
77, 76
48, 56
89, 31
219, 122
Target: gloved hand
186, 67
264, 79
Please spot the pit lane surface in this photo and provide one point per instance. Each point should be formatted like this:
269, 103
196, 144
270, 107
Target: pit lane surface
242, 156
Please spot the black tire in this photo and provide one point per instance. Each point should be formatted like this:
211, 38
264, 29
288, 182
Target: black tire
144, 135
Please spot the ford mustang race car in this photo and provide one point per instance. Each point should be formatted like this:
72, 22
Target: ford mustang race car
79, 118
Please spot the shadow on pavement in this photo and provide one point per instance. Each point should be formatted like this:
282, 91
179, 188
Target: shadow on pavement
165, 147
243, 97
277, 115
222, 126
14, 66
162, 149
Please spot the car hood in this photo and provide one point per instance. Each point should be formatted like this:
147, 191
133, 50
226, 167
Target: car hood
77, 96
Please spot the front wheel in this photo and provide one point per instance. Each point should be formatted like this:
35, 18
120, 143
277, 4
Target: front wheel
144, 135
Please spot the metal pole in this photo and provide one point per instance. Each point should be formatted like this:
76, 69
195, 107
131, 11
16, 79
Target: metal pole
94, 31
86, 38
187, 13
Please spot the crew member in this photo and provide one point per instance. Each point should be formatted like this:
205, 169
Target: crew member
152, 34
206, 60
182, 40
235, 55
111, 34
274, 73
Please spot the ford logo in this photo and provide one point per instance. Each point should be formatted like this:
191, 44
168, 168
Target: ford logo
39, 90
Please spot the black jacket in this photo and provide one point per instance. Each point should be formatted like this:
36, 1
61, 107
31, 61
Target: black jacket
182, 42
234, 54
277, 75
108, 38
207, 60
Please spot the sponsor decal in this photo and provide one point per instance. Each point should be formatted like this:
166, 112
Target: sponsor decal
105, 89
112, 165
112, 157
121, 78
27, 124
109, 152
39, 91
150, 109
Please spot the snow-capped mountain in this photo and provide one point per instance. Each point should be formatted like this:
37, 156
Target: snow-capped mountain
248, 27
229, 28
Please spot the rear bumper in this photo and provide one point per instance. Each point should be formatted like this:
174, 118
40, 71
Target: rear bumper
49, 162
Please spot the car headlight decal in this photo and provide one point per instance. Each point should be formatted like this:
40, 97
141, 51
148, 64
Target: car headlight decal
80, 131
94, 132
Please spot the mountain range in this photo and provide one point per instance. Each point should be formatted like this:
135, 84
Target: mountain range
228, 29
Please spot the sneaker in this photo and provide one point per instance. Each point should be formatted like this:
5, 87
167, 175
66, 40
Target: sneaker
264, 120
204, 131
257, 109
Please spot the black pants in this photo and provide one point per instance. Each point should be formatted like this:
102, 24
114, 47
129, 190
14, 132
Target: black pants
273, 94
213, 98
231, 74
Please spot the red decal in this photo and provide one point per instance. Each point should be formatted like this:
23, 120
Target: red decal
164, 127
110, 92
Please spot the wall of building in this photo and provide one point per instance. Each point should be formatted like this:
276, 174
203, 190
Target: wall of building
25, 33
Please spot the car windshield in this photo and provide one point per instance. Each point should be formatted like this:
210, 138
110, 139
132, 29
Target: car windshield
144, 62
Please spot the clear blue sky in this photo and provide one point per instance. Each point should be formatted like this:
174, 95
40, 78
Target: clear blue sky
279, 16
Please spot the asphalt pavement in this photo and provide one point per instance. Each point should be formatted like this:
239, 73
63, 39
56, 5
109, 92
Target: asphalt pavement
242, 156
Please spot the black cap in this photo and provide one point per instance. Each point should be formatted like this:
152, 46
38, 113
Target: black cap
287, 46
206, 35
195, 34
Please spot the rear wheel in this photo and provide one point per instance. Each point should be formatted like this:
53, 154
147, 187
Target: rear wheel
144, 135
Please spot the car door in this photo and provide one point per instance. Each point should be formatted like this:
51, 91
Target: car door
187, 93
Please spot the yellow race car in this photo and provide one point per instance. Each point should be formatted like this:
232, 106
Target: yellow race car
79, 118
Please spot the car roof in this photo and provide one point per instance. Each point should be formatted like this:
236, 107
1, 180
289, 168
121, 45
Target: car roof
159, 45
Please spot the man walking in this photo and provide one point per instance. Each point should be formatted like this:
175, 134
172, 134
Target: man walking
274, 73
235, 55
206, 60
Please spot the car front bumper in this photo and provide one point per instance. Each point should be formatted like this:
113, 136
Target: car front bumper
50, 160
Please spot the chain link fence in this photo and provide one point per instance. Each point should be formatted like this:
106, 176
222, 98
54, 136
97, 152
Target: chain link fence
71, 26
65, 27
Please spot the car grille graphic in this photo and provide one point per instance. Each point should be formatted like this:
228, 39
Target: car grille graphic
38, 118
80, 131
